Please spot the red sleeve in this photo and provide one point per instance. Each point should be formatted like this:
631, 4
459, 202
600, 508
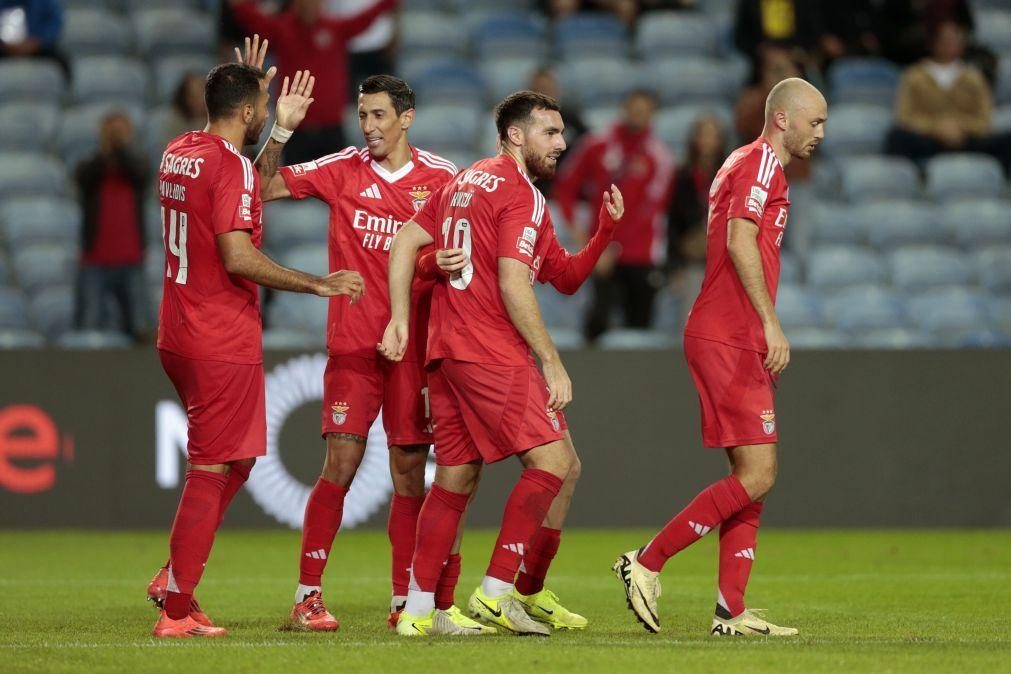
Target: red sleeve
428, 217
254, 20
749, 187
425, 267
568, 272
311, 180
520, 222
234, 195
356, 23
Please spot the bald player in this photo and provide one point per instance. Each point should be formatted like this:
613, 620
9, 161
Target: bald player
736, 350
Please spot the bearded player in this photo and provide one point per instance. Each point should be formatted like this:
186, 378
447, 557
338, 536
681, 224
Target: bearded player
736, 350
489, 400
210, 331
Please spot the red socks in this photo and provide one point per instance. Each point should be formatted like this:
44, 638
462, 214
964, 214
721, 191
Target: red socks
445, 591
323, 515
537, 560
714, 504
437, 525
524, 512
237, 477
401, 527
192, 536
738, 536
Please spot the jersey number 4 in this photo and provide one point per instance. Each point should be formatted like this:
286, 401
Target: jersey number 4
174, 231
459, 237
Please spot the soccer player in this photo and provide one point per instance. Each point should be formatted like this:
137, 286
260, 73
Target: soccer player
489, 400
210, 332
736, 350
371, 192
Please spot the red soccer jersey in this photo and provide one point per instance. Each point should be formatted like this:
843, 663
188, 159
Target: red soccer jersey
491, 210
750, 185
206, 187
368, 206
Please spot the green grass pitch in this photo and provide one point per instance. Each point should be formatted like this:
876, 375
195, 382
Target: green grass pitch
874, 601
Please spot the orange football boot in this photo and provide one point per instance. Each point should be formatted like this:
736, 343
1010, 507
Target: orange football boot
311, 614
157, 590
184, 628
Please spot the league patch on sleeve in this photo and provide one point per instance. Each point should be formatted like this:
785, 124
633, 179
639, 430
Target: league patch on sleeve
244, 211
525, 243
756, 201
302, 169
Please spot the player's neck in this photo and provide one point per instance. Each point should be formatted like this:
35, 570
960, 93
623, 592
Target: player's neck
519, 162
775, 141
234, 134
397, 159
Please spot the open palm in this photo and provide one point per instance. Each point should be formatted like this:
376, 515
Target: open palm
294, 102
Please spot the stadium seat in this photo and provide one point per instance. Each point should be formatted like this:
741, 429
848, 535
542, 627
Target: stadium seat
78, 134
297, 311
862, 80
865, 178
1002, 92
31, 80
292, 340
28, 220
598, 80
950, 314
670, 32
44, 265
834, 267
692, 78
790, 269
5, 271
105, 79
917, 267
566, 339
13, 309
1000, 312
994, 264
154, 263
993, 28
21, 339
798, 307
982, 339
511, 35
131, 6
169, 71
857, 129
173, 30
674, 124
891, 338
504, 76
310, 258
895, 222
93, 339
668, 310
28, 126
427, 33
629, 339
865, 307
589, 34
448, 82
976, 222
23, 174
454, 126
287, 224
561, 311
1002, 115
833, 222
602, 117
52, 310
951, 176
816, 338
92, 32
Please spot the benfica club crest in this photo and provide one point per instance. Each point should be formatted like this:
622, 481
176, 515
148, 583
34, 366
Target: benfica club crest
340, 413
768, 422
419, 196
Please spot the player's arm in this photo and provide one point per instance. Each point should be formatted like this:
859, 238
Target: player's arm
448, 262
242, 258
520, 303
403, 254
568, 272
742, 245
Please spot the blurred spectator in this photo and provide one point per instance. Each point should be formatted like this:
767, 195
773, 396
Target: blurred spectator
689, 206
847, 29
903, 25
631, 157
31, 28
545, 81
790, 23
625, 10
189, 113
111, 185
775, 63
944, 105
302, 38
370, 53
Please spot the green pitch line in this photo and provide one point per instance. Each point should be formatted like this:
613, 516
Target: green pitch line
895, 601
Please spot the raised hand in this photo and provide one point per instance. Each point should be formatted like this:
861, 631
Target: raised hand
344, 282
255, 54
613, 206
293, 103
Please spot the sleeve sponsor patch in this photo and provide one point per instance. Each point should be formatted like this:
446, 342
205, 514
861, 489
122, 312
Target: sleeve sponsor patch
525, 243
244, 209
302, 169
756, 201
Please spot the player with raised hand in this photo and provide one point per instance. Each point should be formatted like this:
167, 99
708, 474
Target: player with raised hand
489, 400
736, 350
210, 330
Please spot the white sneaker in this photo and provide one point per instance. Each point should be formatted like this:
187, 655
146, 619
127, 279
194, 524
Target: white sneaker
748, 624
642, 589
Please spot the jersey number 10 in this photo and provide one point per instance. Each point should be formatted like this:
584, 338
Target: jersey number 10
174, 231
460, 237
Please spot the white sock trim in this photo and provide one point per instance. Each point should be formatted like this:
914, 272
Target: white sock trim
494, 588
304, 591
419, 603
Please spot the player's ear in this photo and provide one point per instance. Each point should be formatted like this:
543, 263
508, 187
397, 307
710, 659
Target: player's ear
782, 120
406, 119
515, 135
248, 114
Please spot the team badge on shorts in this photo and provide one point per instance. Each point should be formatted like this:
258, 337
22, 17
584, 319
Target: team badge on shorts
340, 413
554, 419
768, 421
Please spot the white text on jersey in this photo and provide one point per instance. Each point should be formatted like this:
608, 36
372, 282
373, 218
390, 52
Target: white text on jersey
489, 182
185, 166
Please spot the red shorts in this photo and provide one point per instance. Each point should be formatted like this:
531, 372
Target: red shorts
735, 391
356, 388
225, 407
489, 412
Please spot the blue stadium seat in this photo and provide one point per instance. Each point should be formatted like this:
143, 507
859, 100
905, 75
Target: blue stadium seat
31, 80
917, 267
154, 263
310, 258
674, 124
896, 222
816, 339
505, 76
173, 30
566, 339
865, 307
976, 222
834, 222
93, 339
1002, 92
13, 309
297, 311
5, 271
1002, 115
857, 129
101, 79
950, 314
28, 220
294, 223
994, 264
691, 78
510, 35
834, 267
45, 265
28, 126
430, 33
790, 268
23, 174
590, 34
798, 307
863, 80
448, 82
865, 178
670, 32
169, 71
1000, 312
983, 338
629, 339
891, 338
78, 135
952, 176
558, 310
993, 28
91, 32
132, 6
598, 80
292, 340
602, 117
668, 311
453, 126
52, 310
21, 339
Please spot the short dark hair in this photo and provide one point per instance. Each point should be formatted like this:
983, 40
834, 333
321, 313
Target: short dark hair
401, 95
229, 86
516, 109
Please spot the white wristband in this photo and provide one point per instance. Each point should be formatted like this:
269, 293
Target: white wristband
280, 134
